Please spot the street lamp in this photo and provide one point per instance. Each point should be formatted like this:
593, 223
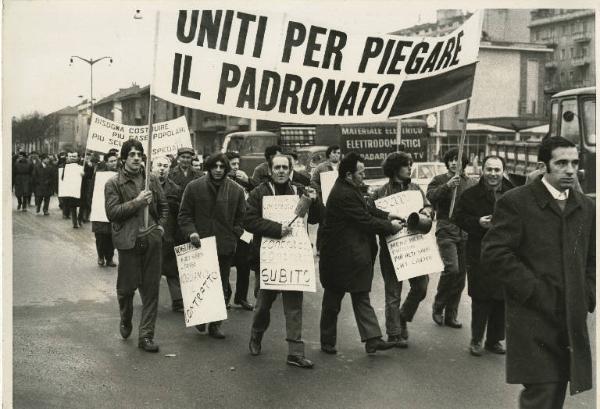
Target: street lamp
91, 62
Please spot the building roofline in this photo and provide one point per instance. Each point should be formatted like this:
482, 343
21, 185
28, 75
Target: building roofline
561, 17
540, 48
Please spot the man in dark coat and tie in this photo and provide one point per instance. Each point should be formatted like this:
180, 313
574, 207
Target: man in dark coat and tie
43, 183
542, 248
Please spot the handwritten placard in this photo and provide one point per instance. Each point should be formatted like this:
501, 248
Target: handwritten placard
69, 180
98, 213
412, 254
200, 280
286, 264
327, 182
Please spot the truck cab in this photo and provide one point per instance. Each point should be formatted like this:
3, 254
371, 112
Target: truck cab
573, 116
250, 145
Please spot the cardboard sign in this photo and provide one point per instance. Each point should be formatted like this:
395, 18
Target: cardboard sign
327, 182
200, 280
412, 254
167, 137
286, 264
69, 180
98, 213
271, 65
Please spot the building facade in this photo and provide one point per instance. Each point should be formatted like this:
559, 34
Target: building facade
61, 133
570, 34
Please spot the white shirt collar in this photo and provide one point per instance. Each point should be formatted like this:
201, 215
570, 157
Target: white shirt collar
556, 194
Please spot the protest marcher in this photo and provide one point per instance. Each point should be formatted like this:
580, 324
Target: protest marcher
473, 214
183, 173
333, 155
197, 163
298, 177
43, 183
71, 204
34, 158
87, 186
102, 230
62, 160
255, 223
542, 248
241, 260
214, 205
22, 172
172, 236
450, 238
261, 172
139, 247
348, 253
397, 167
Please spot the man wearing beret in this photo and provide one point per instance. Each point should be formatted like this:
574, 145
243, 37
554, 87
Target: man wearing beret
184, 173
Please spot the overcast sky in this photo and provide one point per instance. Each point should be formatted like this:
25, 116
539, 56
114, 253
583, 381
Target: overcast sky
40, 37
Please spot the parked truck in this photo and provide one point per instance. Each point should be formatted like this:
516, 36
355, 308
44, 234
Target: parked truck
573, 116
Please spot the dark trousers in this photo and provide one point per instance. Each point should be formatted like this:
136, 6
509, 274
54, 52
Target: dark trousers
452, 246
543, 395
393, 294
366, 320
104, 246
224, 268
292, 309
38, 203
23, 201
241, 261
140, 269
170, 271
488, 313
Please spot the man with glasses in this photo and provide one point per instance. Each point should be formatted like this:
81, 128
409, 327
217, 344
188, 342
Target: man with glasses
139, 246
214, 205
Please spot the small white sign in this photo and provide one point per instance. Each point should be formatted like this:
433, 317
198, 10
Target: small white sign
69, 180
98, 213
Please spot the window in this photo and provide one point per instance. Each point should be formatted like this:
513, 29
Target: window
571, 76
562, 53
584, 26
583, 51
572, 52
563, 30
562, 77
589, 120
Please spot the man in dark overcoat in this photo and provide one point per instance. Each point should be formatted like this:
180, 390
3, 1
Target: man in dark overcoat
348, 252
22, 170
473, 215
43, 183
183, 173
541, 247
214, 205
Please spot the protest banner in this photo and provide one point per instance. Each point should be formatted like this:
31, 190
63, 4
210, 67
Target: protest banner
167, 137
69, 180
327, 182
412, 254
286, 264
98, 212
307, 71
200, 280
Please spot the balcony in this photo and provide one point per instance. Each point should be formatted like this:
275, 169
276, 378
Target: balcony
551, 87
582, 37
549, 41
551, 65
580, 61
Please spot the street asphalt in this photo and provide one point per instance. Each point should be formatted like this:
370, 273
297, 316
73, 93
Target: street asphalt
67, 351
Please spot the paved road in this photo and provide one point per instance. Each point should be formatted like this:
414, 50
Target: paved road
68, 352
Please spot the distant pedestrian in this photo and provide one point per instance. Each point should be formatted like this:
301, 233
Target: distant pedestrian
72, 204
183, 173
22, 173
43, 183
140, 247
542, 248
474, 215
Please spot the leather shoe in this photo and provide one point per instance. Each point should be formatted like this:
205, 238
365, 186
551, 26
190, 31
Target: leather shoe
299, 361
495, 348
201, 328
214, 330
403, 329
148, 345
328, 349
475, 349
377, 344
245, 305
125, 329
398, 341
100, 261
110, 263
438, 316
254, 344
452, 323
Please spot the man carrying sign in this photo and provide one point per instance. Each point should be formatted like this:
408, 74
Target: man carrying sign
280, 167
348, 253
214, 206
140, 255
397, 168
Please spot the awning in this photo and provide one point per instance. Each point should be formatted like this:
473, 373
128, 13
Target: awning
537, 129
474, 126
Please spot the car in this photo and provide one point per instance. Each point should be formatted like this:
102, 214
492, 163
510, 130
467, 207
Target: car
309, 157
423, 172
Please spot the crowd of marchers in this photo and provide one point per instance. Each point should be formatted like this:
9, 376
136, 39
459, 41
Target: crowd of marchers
527, 252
